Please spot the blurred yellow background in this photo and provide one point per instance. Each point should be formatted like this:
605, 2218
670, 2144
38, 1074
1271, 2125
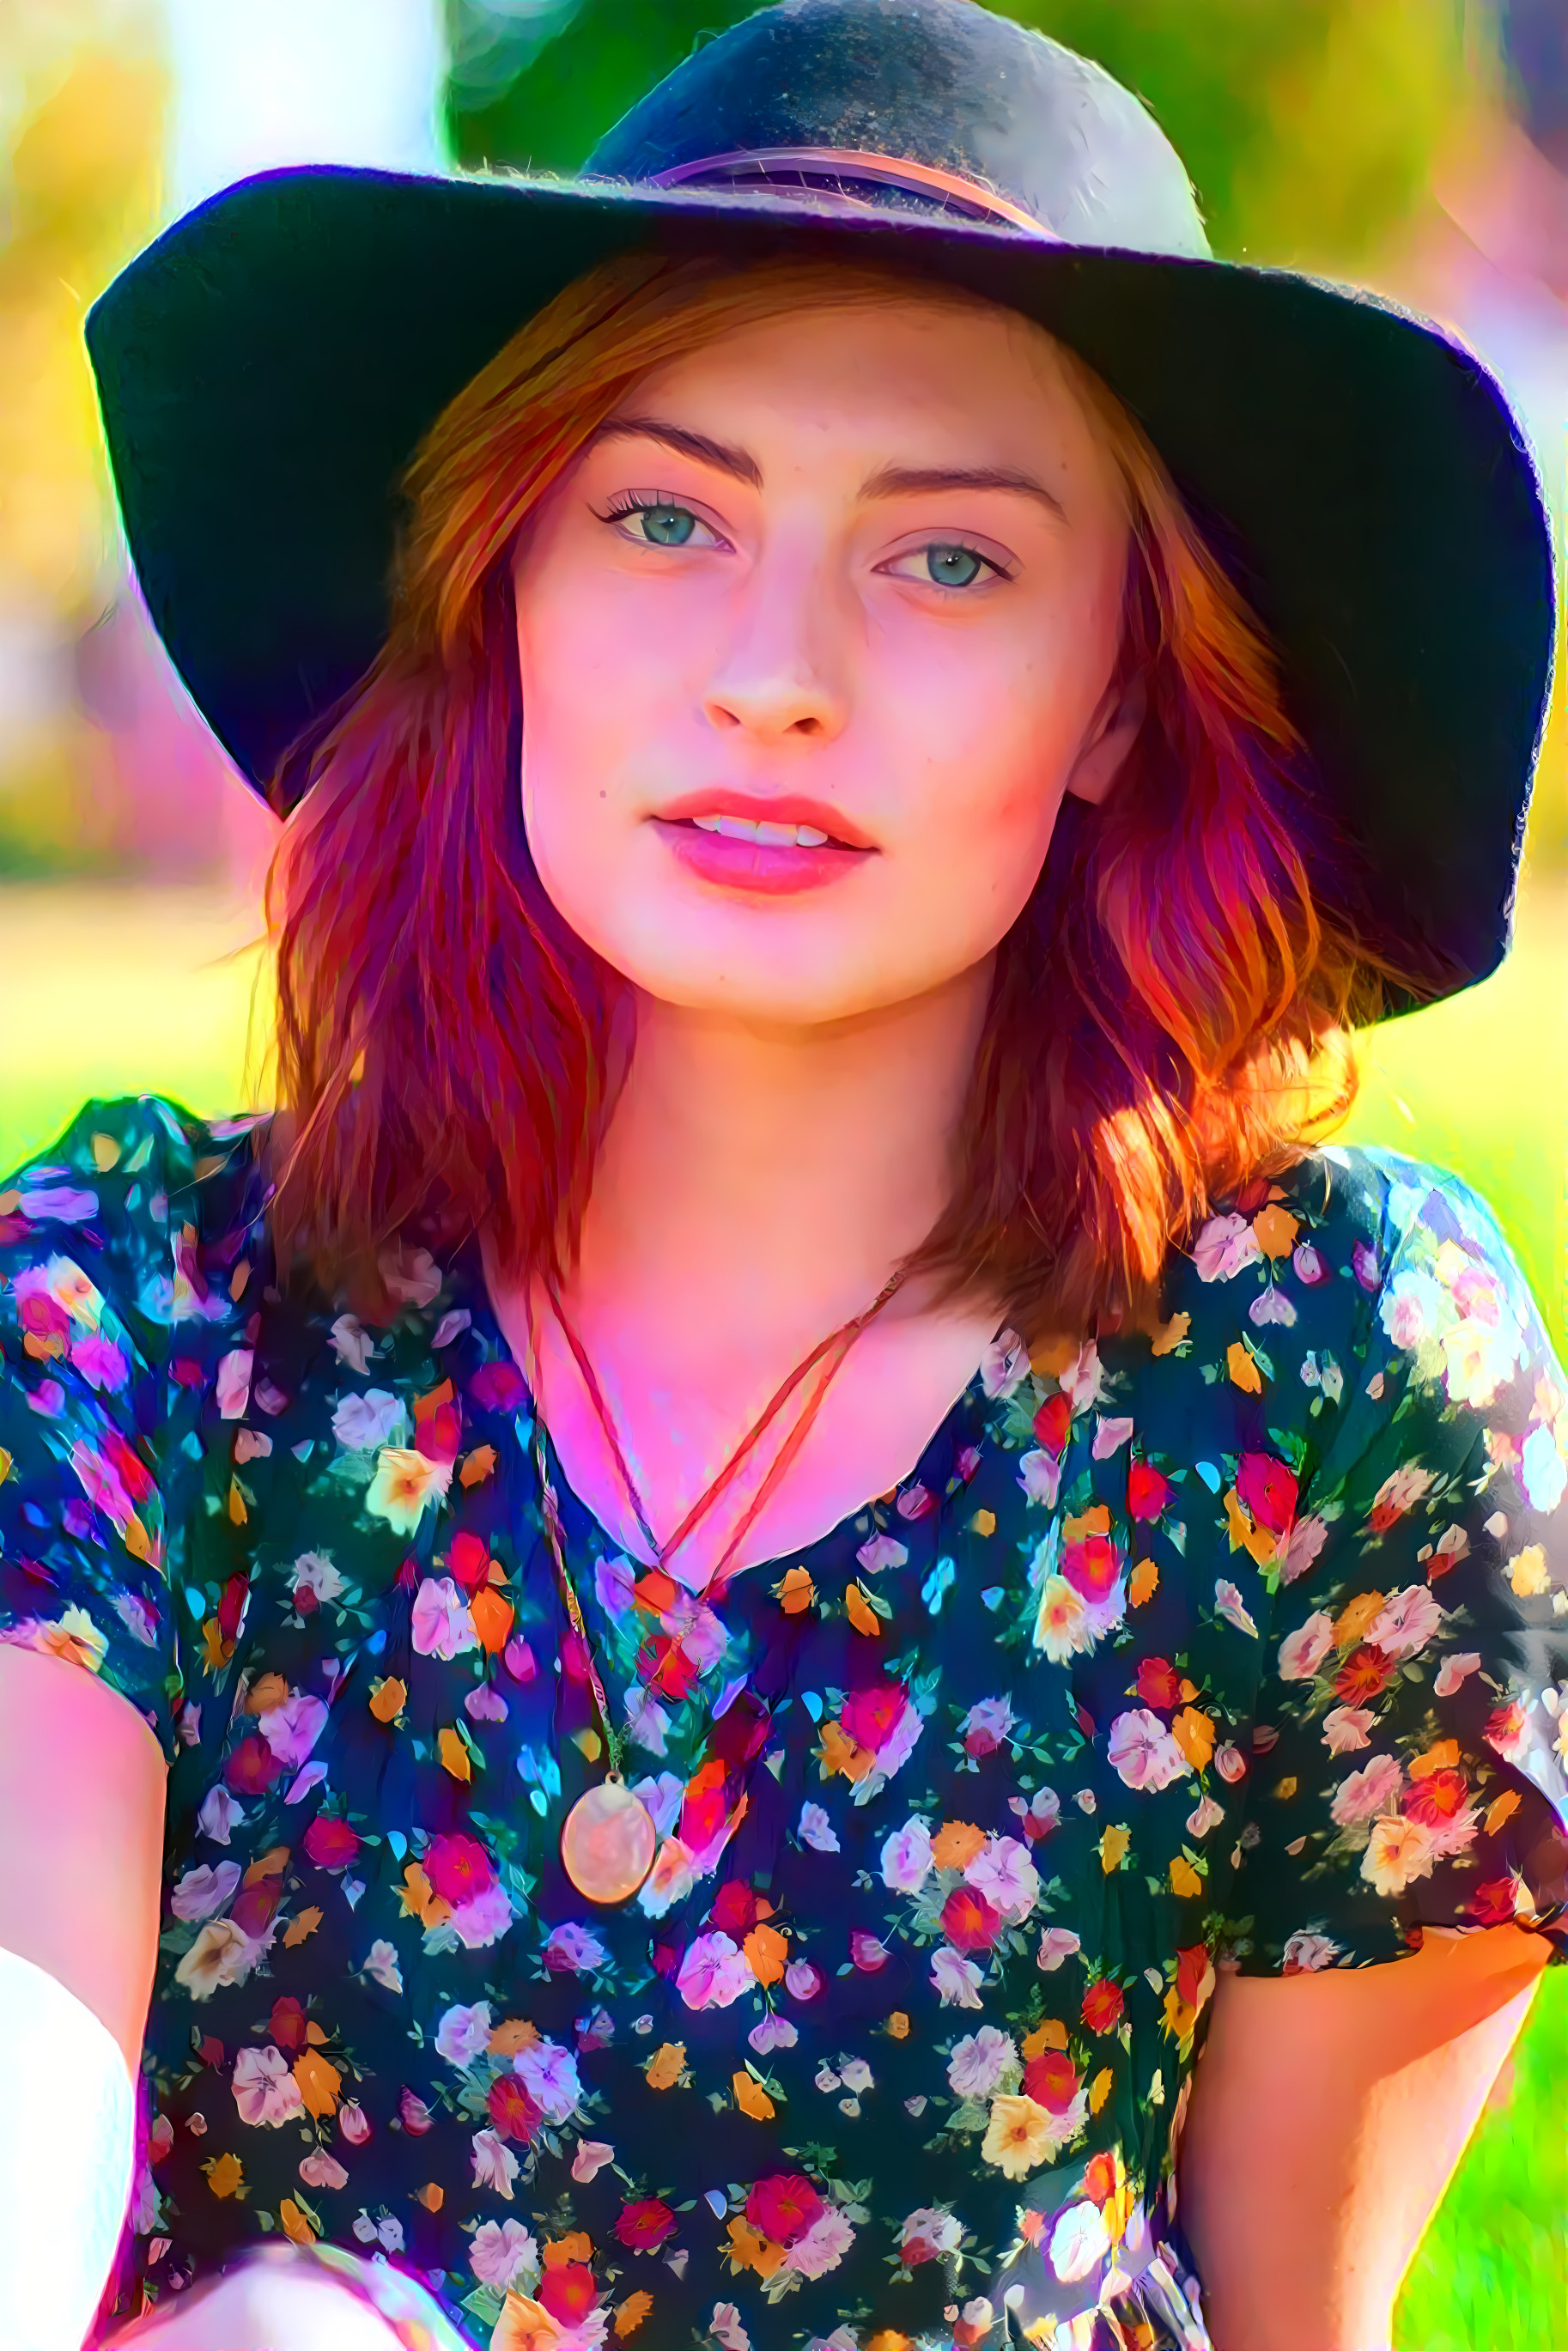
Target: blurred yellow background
1418, 146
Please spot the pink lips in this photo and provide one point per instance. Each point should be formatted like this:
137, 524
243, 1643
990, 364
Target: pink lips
764, 868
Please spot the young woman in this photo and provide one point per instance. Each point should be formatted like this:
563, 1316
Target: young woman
781, 1541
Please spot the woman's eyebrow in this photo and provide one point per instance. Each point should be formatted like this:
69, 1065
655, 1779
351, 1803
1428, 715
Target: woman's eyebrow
907, 481
888, 482
738, 462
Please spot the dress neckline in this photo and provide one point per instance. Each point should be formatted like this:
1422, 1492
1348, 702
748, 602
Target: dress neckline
467, 1267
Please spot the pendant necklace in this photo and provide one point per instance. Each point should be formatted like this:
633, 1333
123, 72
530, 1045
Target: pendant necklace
608, 1838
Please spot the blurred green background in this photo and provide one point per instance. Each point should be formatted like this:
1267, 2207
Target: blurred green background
1419, 147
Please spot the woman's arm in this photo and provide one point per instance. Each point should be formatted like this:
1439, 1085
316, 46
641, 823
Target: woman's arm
82, 1823
1327, 2115
81, 1838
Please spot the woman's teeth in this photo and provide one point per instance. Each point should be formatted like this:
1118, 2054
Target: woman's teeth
770, 836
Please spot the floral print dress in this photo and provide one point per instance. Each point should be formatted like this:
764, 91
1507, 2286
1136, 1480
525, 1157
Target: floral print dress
1237, 1648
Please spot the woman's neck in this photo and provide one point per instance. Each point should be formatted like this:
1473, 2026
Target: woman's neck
768, 1181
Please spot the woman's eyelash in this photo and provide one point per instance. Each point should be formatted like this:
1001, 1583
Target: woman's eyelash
630, 502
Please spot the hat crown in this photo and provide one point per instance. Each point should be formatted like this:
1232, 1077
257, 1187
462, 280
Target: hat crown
941, 83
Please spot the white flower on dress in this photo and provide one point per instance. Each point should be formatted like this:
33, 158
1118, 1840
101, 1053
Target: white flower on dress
1228, 1603
495, 2164
314, 1573
817, 1830
979, 2061
574, 1949
464, 2033
1039, 1474
1142, 1751
265, 2089
221, 1954
906, 1857
502, 2253
360, 1422
957, 1979
352, 1343
1004, 1365
1080, 2240
1397, 1851
1306, 1953
548, 2073
880, 1551
382, 1961
220, 1815
1347, 1728
204, 1890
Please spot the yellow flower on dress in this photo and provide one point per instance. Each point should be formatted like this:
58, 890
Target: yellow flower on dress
1018, 2135
1397, 1851
524, 2324
665, 2066
404, 1483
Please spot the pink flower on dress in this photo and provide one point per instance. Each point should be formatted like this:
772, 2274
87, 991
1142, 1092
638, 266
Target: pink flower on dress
1372, 1789
1303, 1651
442, 1625
265, 2089
714, 1973
1142, 1751
1223, 1247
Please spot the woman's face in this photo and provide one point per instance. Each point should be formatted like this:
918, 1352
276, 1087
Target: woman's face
814, 636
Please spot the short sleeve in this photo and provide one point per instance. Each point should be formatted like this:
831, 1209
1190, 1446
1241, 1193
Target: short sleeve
112, 1339
1411, 1736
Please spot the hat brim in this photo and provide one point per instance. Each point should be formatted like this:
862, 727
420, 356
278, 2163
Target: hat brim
267, 367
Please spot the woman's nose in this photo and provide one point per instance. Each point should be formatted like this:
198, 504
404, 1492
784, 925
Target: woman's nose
783, 671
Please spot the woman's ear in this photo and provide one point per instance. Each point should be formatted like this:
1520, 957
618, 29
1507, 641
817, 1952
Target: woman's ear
1116, 727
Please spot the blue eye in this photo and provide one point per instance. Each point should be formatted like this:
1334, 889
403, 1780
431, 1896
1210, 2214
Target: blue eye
955, 567
667, 526
661, 522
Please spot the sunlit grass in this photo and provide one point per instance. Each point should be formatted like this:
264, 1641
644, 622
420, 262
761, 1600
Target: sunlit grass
108, 991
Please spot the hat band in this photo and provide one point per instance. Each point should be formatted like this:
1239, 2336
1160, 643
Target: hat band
823, 171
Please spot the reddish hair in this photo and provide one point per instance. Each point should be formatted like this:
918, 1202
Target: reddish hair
1168, 1021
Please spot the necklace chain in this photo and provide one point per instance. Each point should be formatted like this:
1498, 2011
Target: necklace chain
829, 1352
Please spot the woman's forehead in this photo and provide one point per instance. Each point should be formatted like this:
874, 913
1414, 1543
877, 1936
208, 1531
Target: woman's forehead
912, 371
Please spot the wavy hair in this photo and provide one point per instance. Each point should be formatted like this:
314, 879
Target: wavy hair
1169, 1017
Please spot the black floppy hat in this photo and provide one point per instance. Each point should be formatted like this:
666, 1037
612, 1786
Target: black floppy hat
269, 366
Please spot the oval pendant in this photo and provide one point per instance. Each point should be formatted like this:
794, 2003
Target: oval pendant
607, 1843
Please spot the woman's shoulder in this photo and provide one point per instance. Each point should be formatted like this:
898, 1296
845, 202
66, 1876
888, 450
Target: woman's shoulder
1373, 1218
146, 1194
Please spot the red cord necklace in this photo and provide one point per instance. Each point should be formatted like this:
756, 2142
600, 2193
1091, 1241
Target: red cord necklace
608, 1840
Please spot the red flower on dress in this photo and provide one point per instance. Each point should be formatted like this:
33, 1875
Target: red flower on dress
458, 1867
1053, 1422
783, 2206
1099, 2179
1268, 1492
1363, 1675
1051, 2081
1193, 1966
1091, 1566
568, 2293
1436, 1798
1148, 1493
513, 2108
331, 1843
497, 1388
969, 1922
736, 1909
643, 2226
870, 1716
1158, 1683
288, 2024
1103, 2006
469, 1560
252, 1767
1491, 1904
